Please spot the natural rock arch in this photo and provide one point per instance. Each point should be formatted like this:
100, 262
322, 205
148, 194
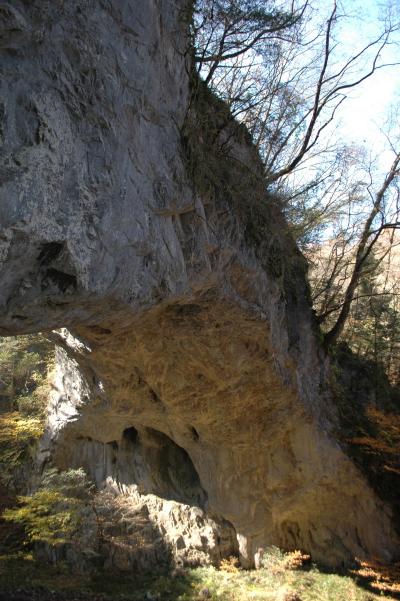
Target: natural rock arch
133, 213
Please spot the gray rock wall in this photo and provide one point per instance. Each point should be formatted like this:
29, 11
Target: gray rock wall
92, 98
133, 213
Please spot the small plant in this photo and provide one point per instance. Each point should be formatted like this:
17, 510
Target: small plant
294, 560
230, 564
277, 561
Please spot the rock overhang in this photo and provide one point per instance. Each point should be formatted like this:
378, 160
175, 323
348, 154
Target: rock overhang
168, 261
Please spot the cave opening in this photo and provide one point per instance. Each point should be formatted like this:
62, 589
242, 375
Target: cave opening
156, 464
130, 434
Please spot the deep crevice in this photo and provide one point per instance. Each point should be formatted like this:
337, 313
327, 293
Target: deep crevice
62, 280
195, 434
49, 252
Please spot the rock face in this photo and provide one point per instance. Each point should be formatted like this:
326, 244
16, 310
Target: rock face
133, 213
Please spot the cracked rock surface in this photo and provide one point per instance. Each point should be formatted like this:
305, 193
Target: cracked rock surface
133, 215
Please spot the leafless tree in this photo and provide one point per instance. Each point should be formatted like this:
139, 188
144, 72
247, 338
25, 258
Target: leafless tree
225, 30
282, 73
285, 75
375, 224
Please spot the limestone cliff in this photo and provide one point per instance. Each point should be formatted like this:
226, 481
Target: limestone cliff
133, 215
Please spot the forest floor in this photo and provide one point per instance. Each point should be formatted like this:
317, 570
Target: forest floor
23, 579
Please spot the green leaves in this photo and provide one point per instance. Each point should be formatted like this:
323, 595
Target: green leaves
18, 435
24, 363
54, 513
47, 515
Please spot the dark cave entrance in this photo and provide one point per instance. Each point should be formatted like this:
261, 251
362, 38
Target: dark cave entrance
154, 462
145, 457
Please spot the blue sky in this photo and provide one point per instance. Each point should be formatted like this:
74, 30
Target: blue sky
367, 110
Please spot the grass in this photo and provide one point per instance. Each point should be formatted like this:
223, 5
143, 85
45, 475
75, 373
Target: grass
280, 580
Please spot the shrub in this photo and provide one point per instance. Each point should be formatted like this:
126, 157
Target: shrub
277, 561
18, 437
230, 565
59, 512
